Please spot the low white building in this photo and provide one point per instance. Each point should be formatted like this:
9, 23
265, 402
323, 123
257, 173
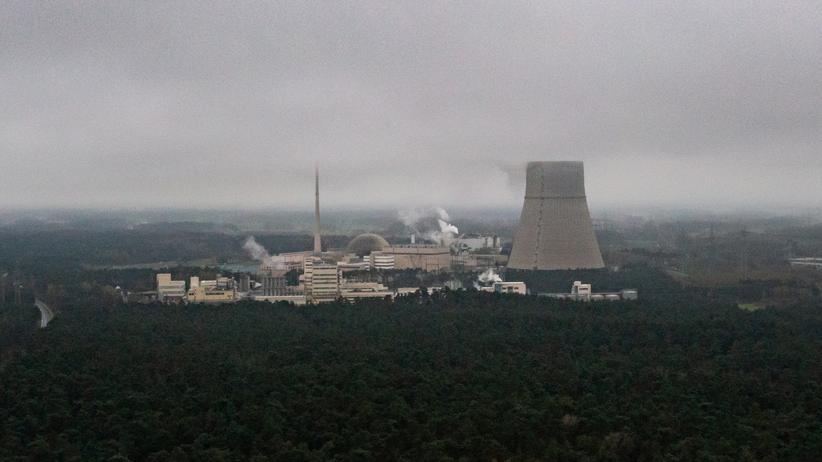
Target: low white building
357, 290
581, 291
808, 262
584, 293
510, 288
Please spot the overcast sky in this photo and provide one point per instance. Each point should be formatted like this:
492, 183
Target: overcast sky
132, 103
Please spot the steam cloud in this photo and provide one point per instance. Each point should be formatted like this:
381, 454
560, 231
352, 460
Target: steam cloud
419, 221
255, 250
446, 234
489, 277
259, 253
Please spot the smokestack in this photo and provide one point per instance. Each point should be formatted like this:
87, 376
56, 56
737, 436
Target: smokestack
555, 230
318, 247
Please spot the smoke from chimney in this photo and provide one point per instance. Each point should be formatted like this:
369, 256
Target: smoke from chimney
259, 253
431, 224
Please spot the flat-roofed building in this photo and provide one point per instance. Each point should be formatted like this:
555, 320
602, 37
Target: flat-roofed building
294, 260
274, 282
359, 290
169, 290
583, 293
203, 294
353, 265
380, 260
420, 256
475, 242
322, 281
510, 288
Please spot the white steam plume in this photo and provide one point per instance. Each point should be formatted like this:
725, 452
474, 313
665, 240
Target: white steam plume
418, 220
488, 277
255, 250
259, 253
446, 234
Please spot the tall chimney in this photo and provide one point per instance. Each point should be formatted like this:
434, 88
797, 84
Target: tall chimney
318, 246
555, 230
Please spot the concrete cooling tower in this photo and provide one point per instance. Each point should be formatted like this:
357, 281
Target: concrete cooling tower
555, 230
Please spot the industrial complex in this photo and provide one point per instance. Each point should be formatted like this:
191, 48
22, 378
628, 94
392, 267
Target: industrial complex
555, 233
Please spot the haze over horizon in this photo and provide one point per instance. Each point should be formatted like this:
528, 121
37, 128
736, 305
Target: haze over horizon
195, 104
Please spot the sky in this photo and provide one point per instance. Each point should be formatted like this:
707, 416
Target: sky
230, 104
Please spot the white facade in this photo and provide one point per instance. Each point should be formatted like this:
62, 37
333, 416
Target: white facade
581, 291
322, 281
510, 288
380, 261
810, 262
357, 290
168, 289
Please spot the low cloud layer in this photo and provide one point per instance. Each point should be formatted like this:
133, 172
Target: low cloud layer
218, 103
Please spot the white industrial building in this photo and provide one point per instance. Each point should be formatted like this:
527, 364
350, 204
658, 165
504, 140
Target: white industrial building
584, 293
475, 242
322, 281
380, 260
503, 287
169, 290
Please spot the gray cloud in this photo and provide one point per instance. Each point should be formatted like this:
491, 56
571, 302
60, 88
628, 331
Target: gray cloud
219, 103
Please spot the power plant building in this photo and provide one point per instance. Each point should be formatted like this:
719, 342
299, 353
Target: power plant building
380, 261
419, 256
203, 294
475, 242
364, 244
322, 281
169, 290
555, 230
275, 283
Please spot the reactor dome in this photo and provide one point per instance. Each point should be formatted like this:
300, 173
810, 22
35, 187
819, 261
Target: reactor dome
364, 244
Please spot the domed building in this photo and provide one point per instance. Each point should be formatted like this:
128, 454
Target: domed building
364, 244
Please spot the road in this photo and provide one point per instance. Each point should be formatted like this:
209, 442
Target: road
46, 314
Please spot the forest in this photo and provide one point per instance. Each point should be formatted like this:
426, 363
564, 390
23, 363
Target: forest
457, 376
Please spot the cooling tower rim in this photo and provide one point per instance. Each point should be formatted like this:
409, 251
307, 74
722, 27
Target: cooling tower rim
555, 197
556, 163
555, 179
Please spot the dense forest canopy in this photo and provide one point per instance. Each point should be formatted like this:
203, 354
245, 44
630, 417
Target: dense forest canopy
462, 376
683, 374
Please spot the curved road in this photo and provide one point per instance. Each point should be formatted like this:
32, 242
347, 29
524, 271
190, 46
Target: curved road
46, 314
